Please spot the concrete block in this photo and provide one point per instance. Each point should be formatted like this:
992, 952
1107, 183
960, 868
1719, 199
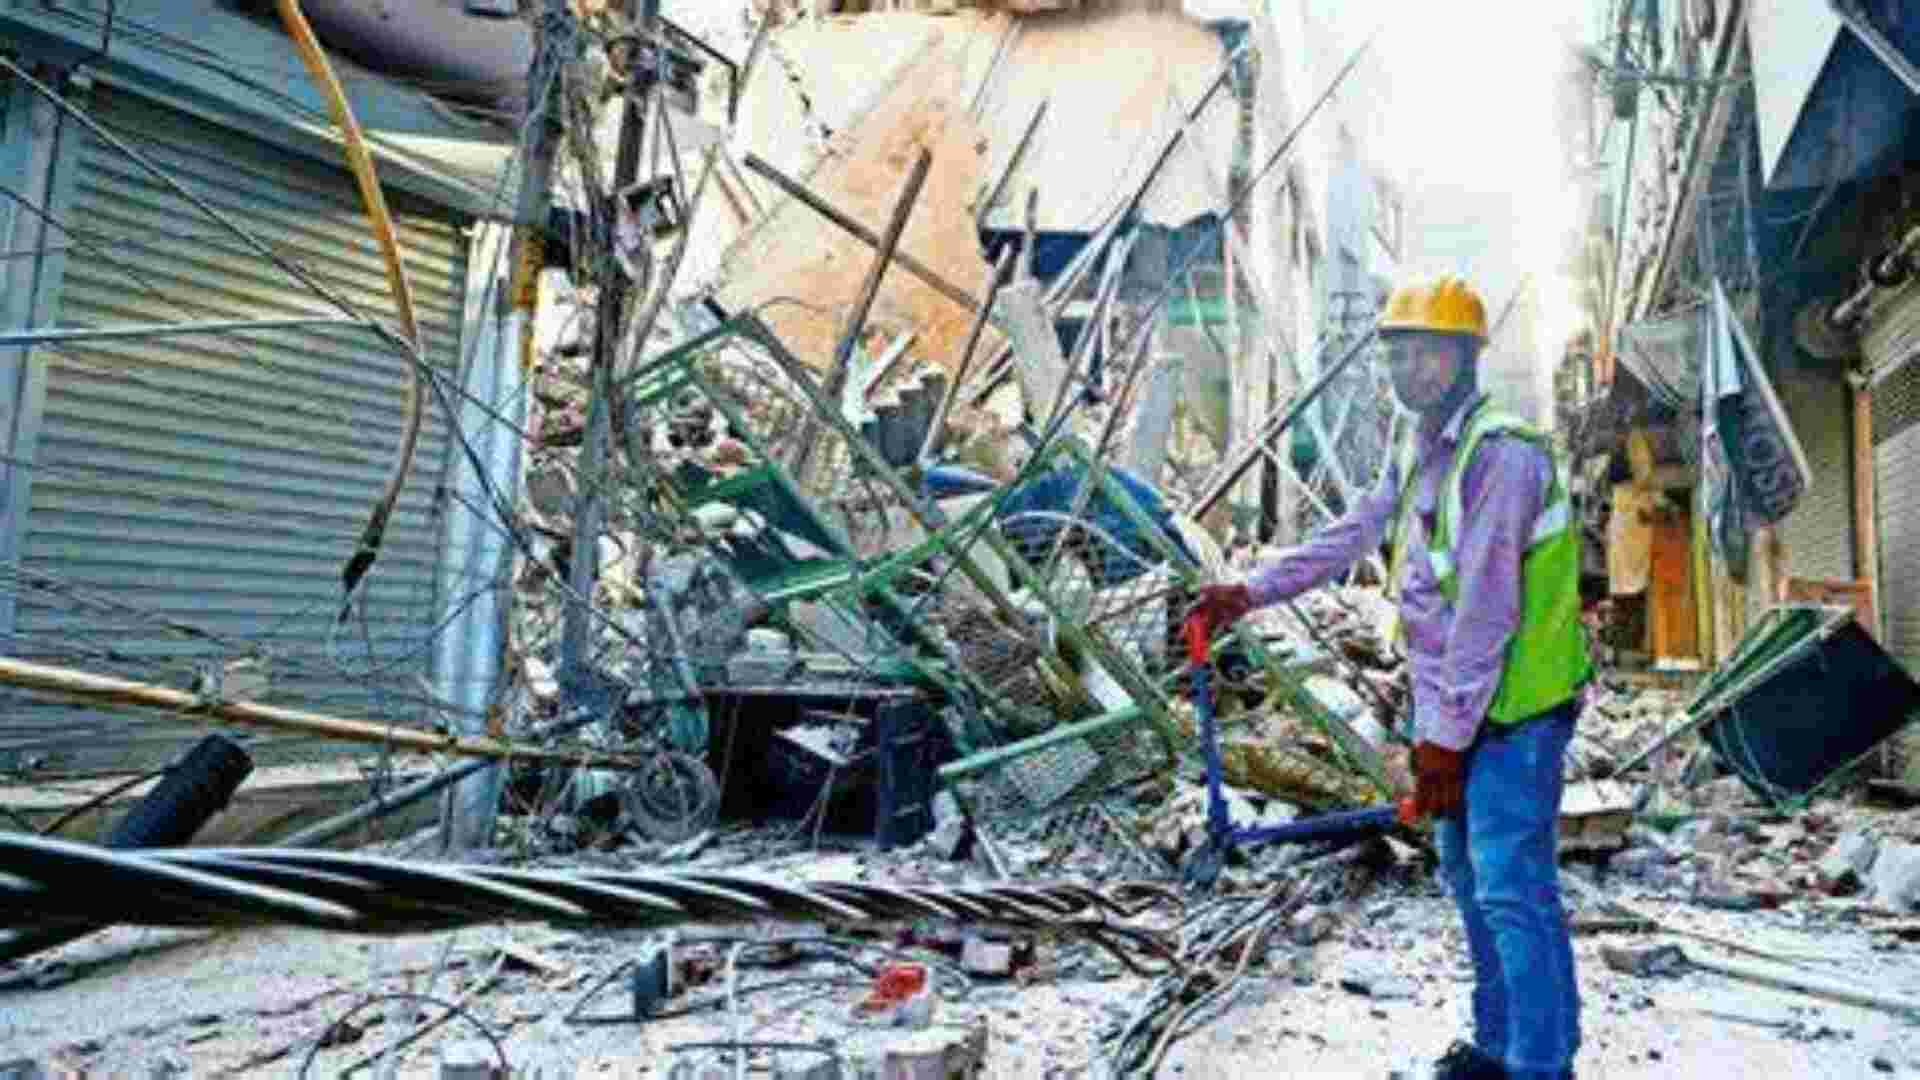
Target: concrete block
470, 1059
1896, 877
806, 1067
940, 1052
949, 833
1852, 851
980, 956
1311, 925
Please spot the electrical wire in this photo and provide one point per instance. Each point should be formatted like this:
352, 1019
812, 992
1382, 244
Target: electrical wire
452, 1008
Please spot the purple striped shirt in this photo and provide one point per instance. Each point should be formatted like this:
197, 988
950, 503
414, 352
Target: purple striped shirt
1457, 657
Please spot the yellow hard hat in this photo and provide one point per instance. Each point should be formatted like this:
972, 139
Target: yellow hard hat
1447, 305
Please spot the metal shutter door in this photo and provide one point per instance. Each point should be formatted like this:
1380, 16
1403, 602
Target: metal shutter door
222, 481
1819, 533
1896, 432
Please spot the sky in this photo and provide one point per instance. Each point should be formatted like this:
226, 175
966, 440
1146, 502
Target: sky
1471, 107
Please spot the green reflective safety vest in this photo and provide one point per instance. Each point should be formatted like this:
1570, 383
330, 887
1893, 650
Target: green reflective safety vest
1546, 662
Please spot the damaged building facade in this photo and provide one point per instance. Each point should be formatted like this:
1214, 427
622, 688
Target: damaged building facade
208, 472
1739, 422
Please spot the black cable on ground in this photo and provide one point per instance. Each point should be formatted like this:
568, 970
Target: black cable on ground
320, 1043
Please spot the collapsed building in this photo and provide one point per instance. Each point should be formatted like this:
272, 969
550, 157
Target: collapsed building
824, 419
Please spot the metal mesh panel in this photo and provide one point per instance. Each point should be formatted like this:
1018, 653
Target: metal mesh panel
1896, 403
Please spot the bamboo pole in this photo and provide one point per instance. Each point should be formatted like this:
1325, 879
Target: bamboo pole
94, 689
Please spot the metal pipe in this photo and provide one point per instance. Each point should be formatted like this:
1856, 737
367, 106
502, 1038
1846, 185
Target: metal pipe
1307, 397
471, 661
92, 689
1877, 43
380, 806
192, 791
49, 334
1894, 265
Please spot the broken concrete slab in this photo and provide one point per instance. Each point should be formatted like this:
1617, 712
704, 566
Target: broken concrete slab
470, 1059
950, 826
1595, 815
1854, 850
1644, 961
1311, 925
1896, 877
983, 956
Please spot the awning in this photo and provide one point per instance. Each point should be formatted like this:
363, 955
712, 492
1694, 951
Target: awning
1829, 109
1664, 354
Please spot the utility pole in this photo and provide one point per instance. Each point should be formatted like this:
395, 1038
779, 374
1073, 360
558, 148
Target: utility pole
645, 63
473, 803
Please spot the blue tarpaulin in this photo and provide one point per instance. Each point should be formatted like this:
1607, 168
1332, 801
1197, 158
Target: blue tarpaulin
1043, 503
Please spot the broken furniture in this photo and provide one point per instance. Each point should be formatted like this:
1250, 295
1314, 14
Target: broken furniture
863, 756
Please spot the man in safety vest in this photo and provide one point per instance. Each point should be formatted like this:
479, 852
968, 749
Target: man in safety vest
1485, 566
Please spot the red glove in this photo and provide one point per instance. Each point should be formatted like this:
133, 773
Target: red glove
1439, 780
1222, 605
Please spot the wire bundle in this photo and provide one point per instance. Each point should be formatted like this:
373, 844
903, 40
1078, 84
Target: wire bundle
46, 882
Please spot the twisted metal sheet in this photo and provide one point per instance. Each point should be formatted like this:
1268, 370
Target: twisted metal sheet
45, 882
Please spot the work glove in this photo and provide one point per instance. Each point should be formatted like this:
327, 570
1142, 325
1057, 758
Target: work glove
1439, 780
1220, 606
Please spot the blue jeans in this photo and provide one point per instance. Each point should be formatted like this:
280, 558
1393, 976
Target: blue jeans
1498, 858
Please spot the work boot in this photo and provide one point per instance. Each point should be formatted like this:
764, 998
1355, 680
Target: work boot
1464, 1061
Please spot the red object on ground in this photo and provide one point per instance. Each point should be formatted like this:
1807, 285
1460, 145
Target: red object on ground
896, 983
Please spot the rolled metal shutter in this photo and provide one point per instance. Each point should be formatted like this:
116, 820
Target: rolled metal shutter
1896, 451
195, 497
1818, 534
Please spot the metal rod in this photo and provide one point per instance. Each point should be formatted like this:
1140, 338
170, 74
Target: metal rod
1212, 229
48, 334
836, 379
105, 690
380, 806
860, 232
1851, 13
1013, 161
741, 76
996, 281
1294, 408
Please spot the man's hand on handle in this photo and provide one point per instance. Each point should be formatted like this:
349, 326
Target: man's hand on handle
1220, 606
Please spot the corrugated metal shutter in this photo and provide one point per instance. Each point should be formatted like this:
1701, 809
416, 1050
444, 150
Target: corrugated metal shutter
222, 481
1896, 432
1819, 533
